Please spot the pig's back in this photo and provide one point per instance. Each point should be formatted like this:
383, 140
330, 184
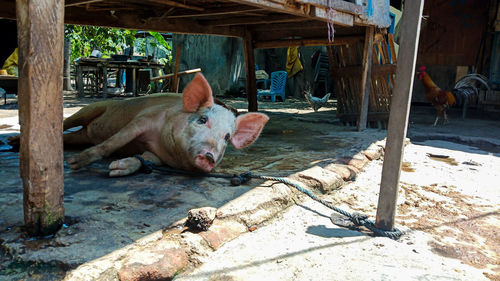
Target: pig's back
119, 113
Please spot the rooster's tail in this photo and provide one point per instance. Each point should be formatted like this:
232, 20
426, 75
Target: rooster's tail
451, 98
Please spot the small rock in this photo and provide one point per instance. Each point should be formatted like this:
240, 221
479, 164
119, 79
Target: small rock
201, 219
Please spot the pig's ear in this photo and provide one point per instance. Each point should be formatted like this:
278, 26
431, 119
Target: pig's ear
197, 94
248, 128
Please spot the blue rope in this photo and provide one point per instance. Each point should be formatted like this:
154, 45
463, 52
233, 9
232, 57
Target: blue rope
356, 218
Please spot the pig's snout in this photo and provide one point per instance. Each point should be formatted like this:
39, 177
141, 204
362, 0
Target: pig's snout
205, 161
210, 157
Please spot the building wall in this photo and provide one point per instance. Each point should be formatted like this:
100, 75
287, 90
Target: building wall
223, 64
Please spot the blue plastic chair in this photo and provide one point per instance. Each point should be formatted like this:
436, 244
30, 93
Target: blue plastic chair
278, 81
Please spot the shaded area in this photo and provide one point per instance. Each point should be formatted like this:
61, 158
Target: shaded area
105, 214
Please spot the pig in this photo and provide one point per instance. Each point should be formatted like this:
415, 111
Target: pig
188, 132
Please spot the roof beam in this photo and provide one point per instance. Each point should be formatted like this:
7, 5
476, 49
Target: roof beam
254, 20
284, 43
221, 12
338, 5
80, 2
134, 20
177, 4
296, 8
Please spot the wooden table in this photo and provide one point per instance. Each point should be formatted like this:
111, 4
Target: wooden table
9, 84
101, 67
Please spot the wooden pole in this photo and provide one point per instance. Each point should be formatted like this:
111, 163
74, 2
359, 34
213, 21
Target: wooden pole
398, 118
40, 39
182, 73
248, 50
366, 77
175, 83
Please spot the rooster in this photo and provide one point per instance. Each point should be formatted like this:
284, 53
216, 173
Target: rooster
467, 89
440, 99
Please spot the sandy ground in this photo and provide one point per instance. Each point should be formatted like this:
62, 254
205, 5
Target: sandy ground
450, 203
450, 210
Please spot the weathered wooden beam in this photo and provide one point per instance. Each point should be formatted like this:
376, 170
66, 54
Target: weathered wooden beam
338, 5
218, 12
398, 118
307, 42
132, 20
337, 17
40, 39
248, 51
80, 2
254, 20
295, 8
182, 73
8, 10
176, 68
178, 5
366, 77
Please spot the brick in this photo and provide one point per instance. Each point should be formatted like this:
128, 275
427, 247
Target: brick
221, 232
319, 178
153, 264
357, 163
372, 154
342, 170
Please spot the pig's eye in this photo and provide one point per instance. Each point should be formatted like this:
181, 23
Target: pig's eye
227, 137
203, 119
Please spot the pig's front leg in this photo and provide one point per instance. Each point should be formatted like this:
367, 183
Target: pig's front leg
127, 166
128, 133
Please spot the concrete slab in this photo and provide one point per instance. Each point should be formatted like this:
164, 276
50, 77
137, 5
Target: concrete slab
113, 221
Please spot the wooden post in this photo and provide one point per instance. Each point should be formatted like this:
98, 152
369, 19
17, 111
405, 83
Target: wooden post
79, 81
134, 81
398, 118
175, 83
67, 66
104, 81
40, 39
366, 77
248, 50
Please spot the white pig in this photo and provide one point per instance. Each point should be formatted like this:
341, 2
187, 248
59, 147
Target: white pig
189, 132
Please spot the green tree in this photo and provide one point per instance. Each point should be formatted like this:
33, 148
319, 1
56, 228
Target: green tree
108, 41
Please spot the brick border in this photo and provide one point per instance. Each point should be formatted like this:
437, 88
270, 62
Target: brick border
163, 255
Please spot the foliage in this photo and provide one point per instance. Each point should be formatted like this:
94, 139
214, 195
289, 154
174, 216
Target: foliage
109, 41
154, 45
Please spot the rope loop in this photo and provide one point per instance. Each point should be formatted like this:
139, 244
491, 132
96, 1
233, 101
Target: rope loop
357, 218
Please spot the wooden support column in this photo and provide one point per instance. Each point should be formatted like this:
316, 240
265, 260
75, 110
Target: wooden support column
40, 32
398, 118
248, 50
366, 77
175, 82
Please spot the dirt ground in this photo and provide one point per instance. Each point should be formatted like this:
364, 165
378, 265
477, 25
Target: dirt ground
449, 201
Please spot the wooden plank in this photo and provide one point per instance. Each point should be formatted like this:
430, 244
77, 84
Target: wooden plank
392, 47
80, 2
182, 73
133, 20
40, 31
398, 118
175, 83
340, 40
248, 51
296, 8
338, 5
219, 12
178, 5
253, 20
